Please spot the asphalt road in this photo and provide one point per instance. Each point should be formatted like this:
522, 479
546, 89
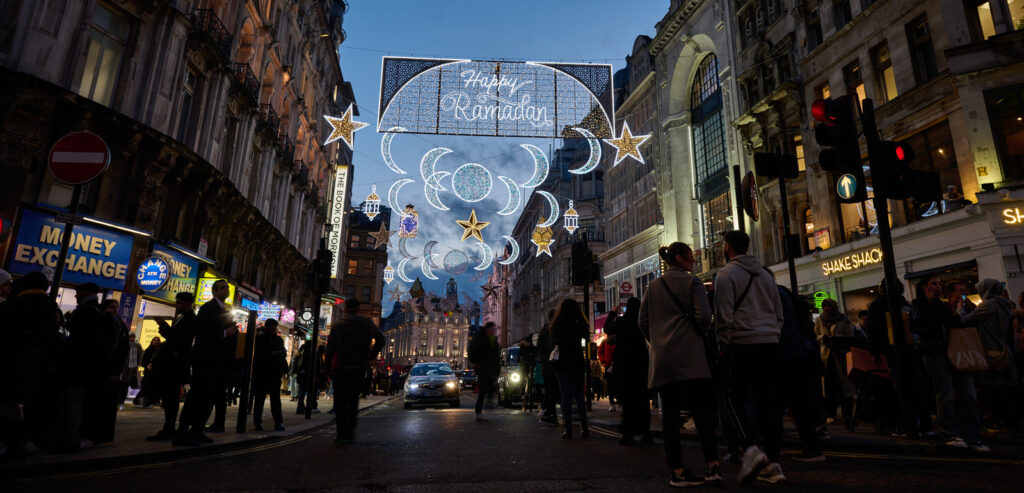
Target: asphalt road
445, 450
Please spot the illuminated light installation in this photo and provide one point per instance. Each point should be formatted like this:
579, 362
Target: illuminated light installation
427, 249
478, 276
385, 149
431, 178
371, 207
489, 290
595, 152
426, 265
571, 218
397, 293
389, 273
393, 194
553, 203
402, 250
401, 270
488, 257
515, 251
627, 145
432, 198
472, 227
456, 262
540, 166
514, 197
343, 128
471, 182
410, 222
542, 238
382, 237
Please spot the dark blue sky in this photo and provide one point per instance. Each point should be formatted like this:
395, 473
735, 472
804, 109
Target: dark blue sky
572, 31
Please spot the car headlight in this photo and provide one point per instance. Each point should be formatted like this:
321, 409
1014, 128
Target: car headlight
515, 377
412, 385
450, 384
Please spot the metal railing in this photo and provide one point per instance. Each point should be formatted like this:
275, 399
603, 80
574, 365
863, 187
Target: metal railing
204, 21
269, 118
285, 147
246, 80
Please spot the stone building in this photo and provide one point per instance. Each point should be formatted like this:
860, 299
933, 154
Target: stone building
365, 261
212, 111
426, 329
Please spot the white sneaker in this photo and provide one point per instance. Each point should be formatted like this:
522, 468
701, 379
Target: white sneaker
956, 442
690, 425
980, 447
753, 460
772, 473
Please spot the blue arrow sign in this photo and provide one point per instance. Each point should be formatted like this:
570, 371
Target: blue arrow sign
846, 186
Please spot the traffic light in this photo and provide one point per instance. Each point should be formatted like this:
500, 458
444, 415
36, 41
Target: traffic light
836, 133
580, 262
890, 169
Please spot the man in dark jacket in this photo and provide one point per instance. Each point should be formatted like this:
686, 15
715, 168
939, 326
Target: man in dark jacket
551, 395
269, 365
170, 365
352, 346
527, 363
87, 353
894, 348
213, 326
800, 386
485, 355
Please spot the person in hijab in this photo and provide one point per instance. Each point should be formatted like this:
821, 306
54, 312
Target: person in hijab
994, 319
835, 334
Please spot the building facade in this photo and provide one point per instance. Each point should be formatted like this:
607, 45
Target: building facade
365, 261
428, 328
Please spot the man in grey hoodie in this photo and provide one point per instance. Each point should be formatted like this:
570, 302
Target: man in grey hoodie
748, 320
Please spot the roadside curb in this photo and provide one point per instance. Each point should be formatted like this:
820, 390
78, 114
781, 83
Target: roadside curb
15, 471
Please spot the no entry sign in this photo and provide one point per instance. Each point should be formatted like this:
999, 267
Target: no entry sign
78, 158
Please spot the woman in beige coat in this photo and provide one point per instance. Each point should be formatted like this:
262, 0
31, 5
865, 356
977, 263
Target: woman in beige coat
835, 333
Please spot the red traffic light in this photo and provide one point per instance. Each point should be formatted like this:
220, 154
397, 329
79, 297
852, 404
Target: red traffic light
903, 152
819, 110
900, 154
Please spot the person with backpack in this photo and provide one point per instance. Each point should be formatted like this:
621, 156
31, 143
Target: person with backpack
674, 318
749, 320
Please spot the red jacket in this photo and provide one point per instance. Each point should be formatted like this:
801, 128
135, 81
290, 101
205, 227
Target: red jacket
604, 354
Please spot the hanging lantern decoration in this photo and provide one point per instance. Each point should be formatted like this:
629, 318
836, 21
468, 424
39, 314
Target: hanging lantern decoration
372, 205
389, 273
571, 219
409, 225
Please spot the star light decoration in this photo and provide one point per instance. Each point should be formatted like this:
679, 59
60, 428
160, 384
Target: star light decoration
571, 218
472, 227
372, 205
627, 145
397, 293
542, 238
343, 128
382, 237
389, 273
489, 290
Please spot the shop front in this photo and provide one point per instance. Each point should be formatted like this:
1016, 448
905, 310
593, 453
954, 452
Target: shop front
167, 271
631, 281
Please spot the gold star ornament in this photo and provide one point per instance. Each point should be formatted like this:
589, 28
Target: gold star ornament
542, 238
472, 227
627, 145
343, 127
382, 237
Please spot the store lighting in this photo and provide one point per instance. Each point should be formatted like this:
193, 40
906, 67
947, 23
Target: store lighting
108, 224
190, 253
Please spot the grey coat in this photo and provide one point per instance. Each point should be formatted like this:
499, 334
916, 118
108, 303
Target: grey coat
676, 338
994, 319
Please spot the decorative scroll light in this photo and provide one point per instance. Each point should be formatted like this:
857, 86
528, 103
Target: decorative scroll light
571, 218
372, 205
389, 273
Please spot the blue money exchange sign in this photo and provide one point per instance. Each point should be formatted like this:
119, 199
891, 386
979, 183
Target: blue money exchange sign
153, 273
182, 273
95, 254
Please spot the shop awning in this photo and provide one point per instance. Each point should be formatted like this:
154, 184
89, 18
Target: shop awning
970, 264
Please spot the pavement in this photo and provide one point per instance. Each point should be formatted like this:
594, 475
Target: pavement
445, 450
134, 424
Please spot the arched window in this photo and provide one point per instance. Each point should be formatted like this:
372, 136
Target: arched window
709, 161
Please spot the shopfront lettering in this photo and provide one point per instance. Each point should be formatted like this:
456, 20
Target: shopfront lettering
852, 262
182, 270
1013, 216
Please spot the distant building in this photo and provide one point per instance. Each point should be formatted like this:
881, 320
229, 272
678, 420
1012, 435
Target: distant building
364, 265
421, 330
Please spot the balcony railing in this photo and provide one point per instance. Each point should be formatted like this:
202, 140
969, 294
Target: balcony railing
286, 150
247, 81
269, 118
205, 22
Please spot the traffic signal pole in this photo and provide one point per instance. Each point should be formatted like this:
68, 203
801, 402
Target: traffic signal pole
790, 257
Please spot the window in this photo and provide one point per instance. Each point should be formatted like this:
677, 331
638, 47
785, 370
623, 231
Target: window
708, 131
366, 268
353, 240
798, 151
934, 152
1017, 14
350, 291
353, 266
854, 80
717, 214
1006, 113
105, 42
979, 13
809, 229
885, 76
364, 294
823, 91
922, 54
841, 13
814, 36
188, 89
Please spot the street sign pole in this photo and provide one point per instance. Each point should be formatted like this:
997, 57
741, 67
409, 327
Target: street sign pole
784, 201
65, 243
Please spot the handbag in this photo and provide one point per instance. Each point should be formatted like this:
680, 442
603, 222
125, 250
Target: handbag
965, 351
554, 354
862, 362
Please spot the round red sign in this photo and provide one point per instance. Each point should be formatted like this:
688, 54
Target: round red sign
78, 158
626, 287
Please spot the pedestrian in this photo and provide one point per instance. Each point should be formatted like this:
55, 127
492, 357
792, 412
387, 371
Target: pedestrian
83, 365
130, 373
146, 393
306, 396
674, 318
630, 360
485, 355
527, 362
214, 326
293, 377
171, 366
268, 366
899, 358
835, 335
354, 344
6, 285
994, 319
605, 352
800, 385
114, 392
545, 345
570, 332
956, 406
749, 319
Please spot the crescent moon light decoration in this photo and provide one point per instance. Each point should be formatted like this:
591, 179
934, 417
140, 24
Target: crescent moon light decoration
488, 257
430, 178
553, 218
425, 267
541, 166
427, 249
400, 271
393, 195
432, 198
515, 251
385, 149
514, 197
595, 152
402, 250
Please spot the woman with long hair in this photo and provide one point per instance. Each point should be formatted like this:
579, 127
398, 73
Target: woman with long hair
674, 317
570, 332
630, 360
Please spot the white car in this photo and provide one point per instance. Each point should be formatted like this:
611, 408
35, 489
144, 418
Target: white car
432, 383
